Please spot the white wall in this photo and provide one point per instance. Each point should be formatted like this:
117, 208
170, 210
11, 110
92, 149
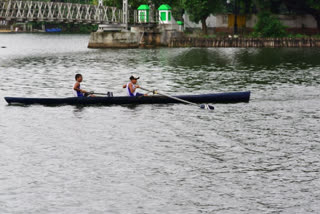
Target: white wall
251, 21
221, 20
300, 21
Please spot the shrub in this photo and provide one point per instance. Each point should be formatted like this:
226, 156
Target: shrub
297, 36
211, 36
269, 26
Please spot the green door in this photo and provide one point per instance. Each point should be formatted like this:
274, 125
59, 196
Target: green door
142, 16
163, 16
169, 16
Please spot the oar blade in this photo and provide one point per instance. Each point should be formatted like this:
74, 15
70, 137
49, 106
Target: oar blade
207, 107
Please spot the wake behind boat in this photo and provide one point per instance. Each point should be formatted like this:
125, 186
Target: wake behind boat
231, 97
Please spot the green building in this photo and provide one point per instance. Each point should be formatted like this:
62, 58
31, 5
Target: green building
165, 14
143, 13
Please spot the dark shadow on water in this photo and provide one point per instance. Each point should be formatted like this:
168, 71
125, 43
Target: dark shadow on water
78, 111
212, 68
257, 57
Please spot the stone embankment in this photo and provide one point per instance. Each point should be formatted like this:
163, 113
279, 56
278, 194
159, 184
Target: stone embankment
138, 37
244, 42
152, 37
113, 40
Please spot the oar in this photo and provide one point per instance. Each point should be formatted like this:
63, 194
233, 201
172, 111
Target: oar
105, 94
99, 93
203, 106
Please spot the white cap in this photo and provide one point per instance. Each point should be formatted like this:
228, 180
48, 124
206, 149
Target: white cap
134, 77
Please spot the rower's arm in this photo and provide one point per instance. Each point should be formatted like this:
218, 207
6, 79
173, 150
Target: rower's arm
131, 88
124, 86
76, 88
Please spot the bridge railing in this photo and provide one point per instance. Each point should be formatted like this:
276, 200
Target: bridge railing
58, 12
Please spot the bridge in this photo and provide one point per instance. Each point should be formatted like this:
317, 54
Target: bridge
38, 11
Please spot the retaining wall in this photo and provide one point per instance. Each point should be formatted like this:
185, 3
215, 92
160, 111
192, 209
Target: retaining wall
136, 39
114, 40
245, 42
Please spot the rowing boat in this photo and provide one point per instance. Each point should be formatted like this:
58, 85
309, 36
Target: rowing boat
230, 97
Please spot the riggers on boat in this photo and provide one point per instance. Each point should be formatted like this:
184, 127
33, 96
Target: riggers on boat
231, 97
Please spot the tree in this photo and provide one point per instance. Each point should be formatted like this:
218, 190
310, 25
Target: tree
269, 26
200, 10
176, 5
272, 6
315, 10
311, 7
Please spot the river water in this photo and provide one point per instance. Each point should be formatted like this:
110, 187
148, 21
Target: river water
257, 157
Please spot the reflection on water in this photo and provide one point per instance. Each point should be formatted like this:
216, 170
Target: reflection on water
238, 68
265, 57
260, 157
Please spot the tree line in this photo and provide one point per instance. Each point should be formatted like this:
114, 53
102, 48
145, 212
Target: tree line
200, 10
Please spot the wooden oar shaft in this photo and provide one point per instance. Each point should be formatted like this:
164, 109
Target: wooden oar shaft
100, 93
178, 99
174, 98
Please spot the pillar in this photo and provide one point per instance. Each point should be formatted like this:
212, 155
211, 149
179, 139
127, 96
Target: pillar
125, 13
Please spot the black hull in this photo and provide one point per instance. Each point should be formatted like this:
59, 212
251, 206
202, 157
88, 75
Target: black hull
232, 97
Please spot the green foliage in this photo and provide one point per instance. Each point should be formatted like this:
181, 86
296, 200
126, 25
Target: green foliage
112, 3
270, 5
269, 26
297, 36
315, 4
254, 34
212, 36
199, 9
94, 2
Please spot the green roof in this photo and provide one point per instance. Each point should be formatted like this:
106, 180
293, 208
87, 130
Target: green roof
143, 7
179, 22
164, 7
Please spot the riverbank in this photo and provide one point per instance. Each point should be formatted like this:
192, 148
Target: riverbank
176, 39
5, 31
138, 37
244, 42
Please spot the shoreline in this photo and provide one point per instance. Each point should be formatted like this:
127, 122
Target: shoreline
154, 40
122, 40
39, 32
246, 42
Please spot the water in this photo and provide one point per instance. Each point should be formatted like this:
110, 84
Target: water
257, 157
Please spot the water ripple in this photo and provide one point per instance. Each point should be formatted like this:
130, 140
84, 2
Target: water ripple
260, 157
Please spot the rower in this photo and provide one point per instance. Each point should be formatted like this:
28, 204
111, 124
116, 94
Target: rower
132, 86
77, 91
